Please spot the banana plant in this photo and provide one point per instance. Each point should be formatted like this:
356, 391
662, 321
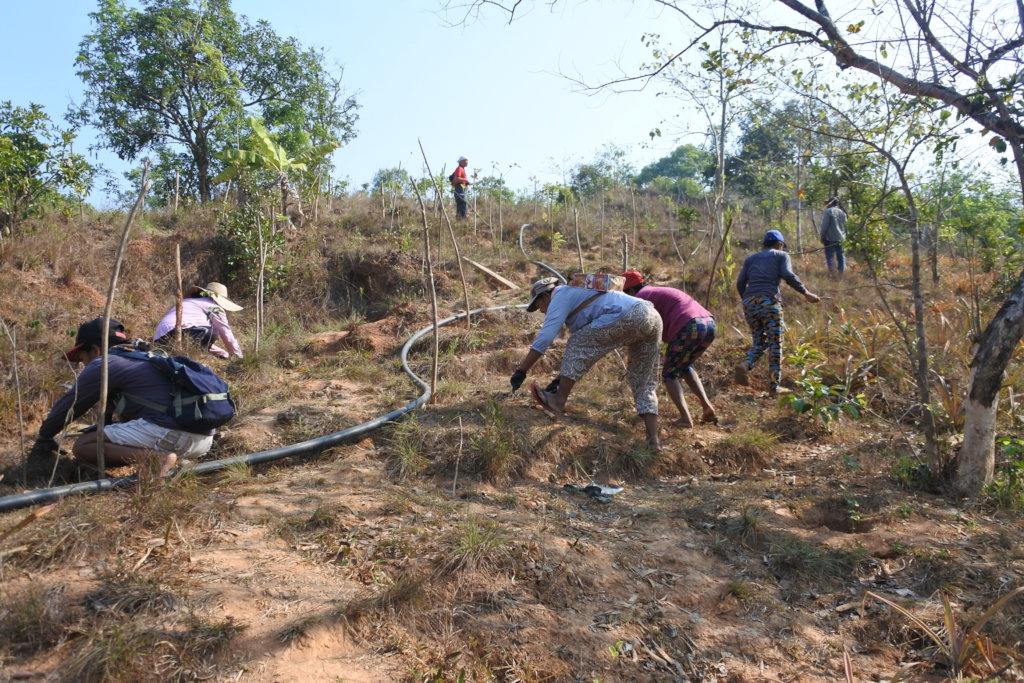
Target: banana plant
264, 154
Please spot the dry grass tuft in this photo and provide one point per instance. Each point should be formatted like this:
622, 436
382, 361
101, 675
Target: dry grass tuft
129, 592
748, 526
119, 651
479, 545
793, 557
406, 447
749, 450
404, 592
498, 447
34, 619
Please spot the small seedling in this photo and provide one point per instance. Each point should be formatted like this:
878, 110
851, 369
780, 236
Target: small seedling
965, 650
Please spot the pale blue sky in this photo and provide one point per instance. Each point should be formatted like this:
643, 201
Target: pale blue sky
487, 90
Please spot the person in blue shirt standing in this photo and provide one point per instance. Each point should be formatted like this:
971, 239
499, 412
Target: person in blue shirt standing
759, 287
832, 233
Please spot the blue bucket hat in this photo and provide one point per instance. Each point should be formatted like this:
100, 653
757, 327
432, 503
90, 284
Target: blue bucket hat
773, 236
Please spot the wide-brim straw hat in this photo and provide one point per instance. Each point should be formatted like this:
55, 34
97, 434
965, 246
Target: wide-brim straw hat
219, 293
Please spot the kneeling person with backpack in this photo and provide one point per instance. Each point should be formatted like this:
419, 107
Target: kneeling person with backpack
169, 408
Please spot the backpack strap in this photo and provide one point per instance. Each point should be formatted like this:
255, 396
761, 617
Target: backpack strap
582, 306
178, 402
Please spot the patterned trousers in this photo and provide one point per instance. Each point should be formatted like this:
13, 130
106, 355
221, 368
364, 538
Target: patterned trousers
689, 344
764, 317
639, 330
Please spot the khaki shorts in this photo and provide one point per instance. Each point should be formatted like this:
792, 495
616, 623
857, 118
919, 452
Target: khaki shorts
144, 434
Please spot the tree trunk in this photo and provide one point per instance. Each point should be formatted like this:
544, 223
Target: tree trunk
976, 463
201, 154
799, 205
931, 447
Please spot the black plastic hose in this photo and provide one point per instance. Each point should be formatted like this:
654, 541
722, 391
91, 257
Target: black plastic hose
21, 500
545, 266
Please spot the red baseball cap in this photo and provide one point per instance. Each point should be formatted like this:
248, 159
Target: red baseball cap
633, 278
91, 334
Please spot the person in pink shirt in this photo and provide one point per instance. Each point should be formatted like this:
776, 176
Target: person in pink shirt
688, 329
204, 318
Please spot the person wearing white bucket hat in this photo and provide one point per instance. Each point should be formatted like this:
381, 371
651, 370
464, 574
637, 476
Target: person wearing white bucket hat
460, 181
599, 322
203, 318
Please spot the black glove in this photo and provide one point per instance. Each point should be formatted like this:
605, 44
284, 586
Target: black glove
553, 387
43, 448
517, 379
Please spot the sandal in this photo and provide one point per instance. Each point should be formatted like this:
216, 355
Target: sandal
705, 420
541, 397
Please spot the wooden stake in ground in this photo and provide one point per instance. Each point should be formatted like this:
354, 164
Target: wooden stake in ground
430, 288
180, 300
101, 463
576, 227
260, 281
451, 231
632, 198
625, 253
718, 255
12, 335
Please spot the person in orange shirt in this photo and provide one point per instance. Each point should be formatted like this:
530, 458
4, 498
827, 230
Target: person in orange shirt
460, 182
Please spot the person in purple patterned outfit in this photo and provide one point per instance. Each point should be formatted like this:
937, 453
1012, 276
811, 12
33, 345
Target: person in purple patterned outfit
688, 329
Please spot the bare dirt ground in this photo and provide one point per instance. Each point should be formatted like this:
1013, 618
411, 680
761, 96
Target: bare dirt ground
744, 553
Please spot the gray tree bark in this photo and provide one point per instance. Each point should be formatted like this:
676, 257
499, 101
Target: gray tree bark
976, 464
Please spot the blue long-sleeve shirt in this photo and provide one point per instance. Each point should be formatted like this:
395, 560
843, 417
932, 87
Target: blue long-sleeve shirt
601, 312
764, 271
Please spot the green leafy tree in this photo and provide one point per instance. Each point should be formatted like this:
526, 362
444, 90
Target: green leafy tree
392, 181
688, 171
495, 188
263, 154
170, 169
767, 164
36, 163
608, 170
183, 73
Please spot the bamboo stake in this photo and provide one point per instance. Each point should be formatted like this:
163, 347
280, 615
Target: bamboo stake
625, 253
714, 264
104, 344
179, 303
451, 231
632, 197
501, 222
317, 185
576, 226
12, 335
458, 457
260, 281
430, 288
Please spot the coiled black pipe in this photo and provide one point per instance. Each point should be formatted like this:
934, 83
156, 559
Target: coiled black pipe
21, 500
545, 266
